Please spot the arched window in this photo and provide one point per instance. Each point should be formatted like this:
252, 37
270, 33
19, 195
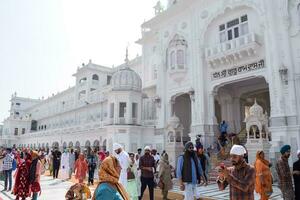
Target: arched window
172, 60
82, 80
177, 53
95, 77
180, 59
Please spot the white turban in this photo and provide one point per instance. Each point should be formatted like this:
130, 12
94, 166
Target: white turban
298, 152
238, 150
147, 148
117, 146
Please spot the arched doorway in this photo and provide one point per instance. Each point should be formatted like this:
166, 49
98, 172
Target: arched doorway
77, 146
233, 101
182, 109
64, 145
70, 144
104, 145
55, 145
96, 145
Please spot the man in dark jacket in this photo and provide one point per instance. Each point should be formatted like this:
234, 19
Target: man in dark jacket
56, 162
296, 175
189, 172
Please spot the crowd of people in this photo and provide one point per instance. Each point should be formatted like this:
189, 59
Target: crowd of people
123, 176
27, 166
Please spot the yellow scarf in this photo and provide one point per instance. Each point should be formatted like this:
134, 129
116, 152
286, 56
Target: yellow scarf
109, 174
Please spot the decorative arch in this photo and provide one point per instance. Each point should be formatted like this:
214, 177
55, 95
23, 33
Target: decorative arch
55, 145
82, 80
70, 144
77, 144
87, 143
176, 52
64, 145
95, 77
96, 144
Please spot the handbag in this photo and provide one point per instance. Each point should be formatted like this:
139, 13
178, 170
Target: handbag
160, 184
130, 174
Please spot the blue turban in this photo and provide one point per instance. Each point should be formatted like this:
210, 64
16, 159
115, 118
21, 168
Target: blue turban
187, 145
285, 148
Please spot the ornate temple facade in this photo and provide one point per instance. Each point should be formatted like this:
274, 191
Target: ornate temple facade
202, 62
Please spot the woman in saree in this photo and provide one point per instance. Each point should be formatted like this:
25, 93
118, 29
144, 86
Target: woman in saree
263, 179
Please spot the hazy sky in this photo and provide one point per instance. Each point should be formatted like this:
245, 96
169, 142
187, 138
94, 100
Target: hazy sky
43, 41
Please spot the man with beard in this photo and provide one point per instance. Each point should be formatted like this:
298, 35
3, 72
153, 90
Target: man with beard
240, 177
56, 162
284, 173
189, 172
296, 175
123, 158
147, 166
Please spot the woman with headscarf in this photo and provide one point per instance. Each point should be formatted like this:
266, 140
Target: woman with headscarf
81, 168
263, 179
132, 186
109, 186
21, 187
165, 176
35, 175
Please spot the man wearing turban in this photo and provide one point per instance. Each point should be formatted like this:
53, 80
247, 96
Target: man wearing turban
240, 177
284, 173
189, 172
296, 175
123, 159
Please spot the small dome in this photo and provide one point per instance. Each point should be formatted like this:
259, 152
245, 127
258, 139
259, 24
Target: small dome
126, 79
256, 109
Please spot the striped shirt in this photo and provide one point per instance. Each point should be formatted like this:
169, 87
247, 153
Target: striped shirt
7, 162
242, 182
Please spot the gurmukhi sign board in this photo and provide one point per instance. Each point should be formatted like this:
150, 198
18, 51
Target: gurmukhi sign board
238, 70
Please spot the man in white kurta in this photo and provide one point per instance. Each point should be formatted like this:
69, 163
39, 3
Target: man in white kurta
65, 166
123, 158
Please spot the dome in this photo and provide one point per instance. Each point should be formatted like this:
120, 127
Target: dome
126, 79
256, 109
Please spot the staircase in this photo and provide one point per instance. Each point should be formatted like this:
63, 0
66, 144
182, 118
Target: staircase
223, 156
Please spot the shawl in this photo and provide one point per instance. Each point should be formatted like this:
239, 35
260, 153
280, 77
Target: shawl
32, 171
258, 157
187, 167
81, 167
109, 174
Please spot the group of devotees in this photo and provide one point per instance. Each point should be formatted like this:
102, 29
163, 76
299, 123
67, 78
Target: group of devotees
125, 176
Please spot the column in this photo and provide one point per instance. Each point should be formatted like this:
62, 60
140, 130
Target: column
116, 112
199, 74
237, 114
129, 110
212, 112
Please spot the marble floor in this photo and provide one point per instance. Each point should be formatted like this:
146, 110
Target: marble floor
56, 189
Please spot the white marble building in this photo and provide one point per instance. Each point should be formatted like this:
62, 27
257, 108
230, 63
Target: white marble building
202, 60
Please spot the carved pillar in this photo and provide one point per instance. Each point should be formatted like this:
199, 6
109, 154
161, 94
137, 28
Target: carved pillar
211, 105
116, 112
129, 111
236, 114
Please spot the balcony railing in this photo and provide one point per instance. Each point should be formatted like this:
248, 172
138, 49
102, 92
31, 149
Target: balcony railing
236, 48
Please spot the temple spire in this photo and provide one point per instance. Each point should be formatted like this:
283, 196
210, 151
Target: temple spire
126, 57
